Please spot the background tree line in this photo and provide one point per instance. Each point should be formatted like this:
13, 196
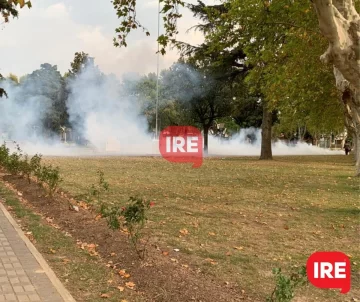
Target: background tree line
256, 68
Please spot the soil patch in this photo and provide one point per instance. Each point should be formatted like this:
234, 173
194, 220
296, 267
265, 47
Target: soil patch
159, 278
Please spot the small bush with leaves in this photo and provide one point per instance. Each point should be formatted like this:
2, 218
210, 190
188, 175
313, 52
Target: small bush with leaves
25, 167
17, 163
133, 217
50, 176
4, 155
13, 164
96, 191
284, 290
35, 165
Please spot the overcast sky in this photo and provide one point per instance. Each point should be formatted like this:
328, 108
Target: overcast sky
53, 30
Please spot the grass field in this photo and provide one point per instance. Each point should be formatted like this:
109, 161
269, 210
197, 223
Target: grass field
242, 217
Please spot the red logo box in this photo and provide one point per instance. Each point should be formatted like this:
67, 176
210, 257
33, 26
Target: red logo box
182, 144
329, 270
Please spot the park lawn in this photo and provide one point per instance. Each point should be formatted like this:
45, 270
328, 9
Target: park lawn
237, 218
83, 275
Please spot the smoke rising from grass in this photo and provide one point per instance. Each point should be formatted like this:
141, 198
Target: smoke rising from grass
21, 114
105, 116
102, 113
240, 145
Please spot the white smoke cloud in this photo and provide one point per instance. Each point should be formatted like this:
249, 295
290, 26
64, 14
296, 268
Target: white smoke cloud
101, 113
239, 145
107, 118
20, 114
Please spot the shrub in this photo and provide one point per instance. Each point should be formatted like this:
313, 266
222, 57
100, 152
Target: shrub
50, 176
13, 163
25, 167
17, 163
284, 290
4, 155
35, 164
96, 191
133, 217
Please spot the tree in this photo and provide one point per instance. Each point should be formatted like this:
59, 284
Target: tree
9, 8
202, 97
81, 60
276, 44
126, 12
48, 84
14, 78
340, 24
228, 59
83, 74
2, 90
228, 64
145, 92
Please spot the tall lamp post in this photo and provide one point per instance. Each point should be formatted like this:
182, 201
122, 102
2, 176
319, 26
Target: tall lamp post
157, 79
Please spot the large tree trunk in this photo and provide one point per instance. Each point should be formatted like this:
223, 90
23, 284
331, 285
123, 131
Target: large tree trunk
340, 24
266, 152
357, 154
355, 139
206, 139
355, 147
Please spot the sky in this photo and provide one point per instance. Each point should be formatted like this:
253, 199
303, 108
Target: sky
53, 30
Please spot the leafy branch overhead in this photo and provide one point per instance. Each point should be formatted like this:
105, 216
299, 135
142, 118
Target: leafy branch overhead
8, 8
126, 12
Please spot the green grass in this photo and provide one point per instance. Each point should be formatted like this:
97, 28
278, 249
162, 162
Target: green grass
84, 276
278, 211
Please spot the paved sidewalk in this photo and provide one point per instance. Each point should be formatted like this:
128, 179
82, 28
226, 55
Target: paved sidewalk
24, 274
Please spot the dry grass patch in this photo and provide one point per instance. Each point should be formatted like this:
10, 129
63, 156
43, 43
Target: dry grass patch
241, 216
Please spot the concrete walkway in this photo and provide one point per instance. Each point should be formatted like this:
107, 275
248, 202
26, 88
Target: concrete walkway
24, 273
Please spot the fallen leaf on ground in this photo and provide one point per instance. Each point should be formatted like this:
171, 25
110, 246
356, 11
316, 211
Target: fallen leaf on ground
121, 288
123, 274
74, 208
130, 285
211, 261
83, 204
239, 248
184, 232
105, 296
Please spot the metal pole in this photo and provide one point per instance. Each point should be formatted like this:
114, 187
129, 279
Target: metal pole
157, 77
